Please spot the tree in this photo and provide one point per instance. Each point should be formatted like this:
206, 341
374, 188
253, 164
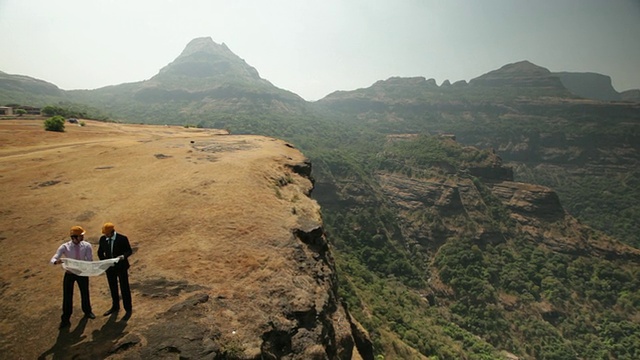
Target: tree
50, 110
21, 112
55, 123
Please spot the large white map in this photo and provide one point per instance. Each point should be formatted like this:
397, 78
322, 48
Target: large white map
87, 268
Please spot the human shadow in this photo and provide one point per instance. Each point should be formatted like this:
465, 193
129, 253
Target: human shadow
69, 345
104, 339
65, 340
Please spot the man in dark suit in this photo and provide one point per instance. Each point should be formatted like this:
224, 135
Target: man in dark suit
113, 245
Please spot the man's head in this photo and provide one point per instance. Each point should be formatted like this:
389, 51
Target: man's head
77, 234
108, 229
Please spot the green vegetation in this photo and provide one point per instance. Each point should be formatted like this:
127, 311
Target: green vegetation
69, 110
586, 152
469, 298
54, 123
53, 111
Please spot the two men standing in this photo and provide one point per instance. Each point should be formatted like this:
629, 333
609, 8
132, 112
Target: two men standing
112, 245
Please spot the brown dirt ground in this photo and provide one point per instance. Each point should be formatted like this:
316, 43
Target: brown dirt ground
200, 208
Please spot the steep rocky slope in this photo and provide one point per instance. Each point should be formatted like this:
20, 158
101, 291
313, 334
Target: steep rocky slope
586, 150
230, 258
480, 265
589, 85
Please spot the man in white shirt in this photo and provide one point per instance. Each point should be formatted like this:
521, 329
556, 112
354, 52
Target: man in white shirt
77, 249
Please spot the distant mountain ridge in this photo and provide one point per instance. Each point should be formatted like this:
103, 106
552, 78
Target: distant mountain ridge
209, 77
520, 74
27, 90
27, 83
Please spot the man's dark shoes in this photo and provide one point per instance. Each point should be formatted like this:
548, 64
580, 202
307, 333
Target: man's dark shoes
111, 311
64, 324
90, 315
127, 316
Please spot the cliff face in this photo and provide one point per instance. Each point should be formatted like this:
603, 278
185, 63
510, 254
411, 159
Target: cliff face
589, 85
458, 201
230, 258
480, 201
468, 245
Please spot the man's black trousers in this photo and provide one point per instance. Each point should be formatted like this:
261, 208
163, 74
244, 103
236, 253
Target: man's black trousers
67, 294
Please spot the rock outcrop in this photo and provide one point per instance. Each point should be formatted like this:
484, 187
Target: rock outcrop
589, 85
529, 200
535, 210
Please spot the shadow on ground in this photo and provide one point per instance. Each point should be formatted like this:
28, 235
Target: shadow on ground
71, 345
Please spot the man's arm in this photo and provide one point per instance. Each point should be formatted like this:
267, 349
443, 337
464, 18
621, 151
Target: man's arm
126, 247
101, 251
89, 255
56, 257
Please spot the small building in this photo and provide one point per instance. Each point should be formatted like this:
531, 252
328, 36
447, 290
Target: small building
6, 110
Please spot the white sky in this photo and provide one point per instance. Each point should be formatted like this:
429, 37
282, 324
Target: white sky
315, 47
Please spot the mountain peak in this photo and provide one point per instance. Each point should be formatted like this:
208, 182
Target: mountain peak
524, 75
523, 67
205, 45
204, 59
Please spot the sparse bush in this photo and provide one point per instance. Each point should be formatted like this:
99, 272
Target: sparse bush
232, 348
82, 123
54, 123
21, 112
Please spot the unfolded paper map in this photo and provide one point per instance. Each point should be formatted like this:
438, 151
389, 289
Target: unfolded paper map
87, 268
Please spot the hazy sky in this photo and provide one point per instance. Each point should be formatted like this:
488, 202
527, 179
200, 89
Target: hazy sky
315, 47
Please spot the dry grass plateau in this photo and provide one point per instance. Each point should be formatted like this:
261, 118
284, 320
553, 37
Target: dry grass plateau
205, 212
